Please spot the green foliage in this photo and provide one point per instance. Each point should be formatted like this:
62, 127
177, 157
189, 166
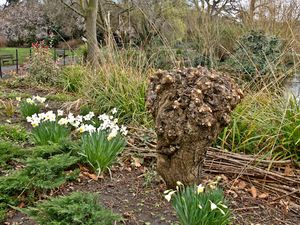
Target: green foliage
71, 78
28, 109
77, 208
43, 68
99, 151
47, 151
194, 208
264, 123
8, 107
61, 97
9, 153
39, 174
120, 87
13, 133
50, 132
256, 53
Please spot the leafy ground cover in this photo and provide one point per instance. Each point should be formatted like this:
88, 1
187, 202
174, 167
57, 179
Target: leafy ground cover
132, 189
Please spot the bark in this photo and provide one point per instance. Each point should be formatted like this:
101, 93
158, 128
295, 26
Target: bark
190, 108
91, 33
251, 10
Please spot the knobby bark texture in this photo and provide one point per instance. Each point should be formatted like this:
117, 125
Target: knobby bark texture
190, 107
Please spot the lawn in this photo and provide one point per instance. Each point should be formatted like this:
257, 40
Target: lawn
23, 53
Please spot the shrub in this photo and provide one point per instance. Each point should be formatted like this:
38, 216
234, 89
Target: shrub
46, 128
31, 106
39, 175
9, 153
71, 78
194, 205
43, 68
256, 54
77, 208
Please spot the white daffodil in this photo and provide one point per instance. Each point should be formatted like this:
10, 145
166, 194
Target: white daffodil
213, 206
81, 129
60, 112
178, 183
39, 99
222, 211
89, 116
222, 205
169, 195
123, 130
200, 189
79, 118
114, 111
63, 121
30, 101
90, 128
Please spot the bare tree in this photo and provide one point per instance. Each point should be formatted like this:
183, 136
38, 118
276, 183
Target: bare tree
89, 10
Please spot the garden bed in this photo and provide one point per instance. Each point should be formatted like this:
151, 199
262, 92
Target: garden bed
135, 191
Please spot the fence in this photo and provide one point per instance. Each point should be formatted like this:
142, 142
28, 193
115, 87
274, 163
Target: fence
67, 56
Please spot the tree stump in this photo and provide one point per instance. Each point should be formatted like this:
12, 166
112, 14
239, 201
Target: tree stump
190, 108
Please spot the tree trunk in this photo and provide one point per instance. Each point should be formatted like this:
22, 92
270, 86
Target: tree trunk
251, 10
190, 108
91, 33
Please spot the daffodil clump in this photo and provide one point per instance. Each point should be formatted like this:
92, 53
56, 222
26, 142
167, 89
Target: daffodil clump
47, 128
102, 137
30, 106
102, 144
199, 205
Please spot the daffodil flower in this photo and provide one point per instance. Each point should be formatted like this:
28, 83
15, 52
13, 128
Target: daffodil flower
213, 206
169, 195
200, 189
18, 99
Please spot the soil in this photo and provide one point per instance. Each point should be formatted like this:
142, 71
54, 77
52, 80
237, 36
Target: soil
136, 192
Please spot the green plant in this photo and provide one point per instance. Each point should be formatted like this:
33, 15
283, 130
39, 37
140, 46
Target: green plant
50, 132
76, 208
264, 123
121, 86
99, 150
256, 54
71, 78
10, 153
13, 133
39, 175
9, 107
196, 206
42, 67
31, 106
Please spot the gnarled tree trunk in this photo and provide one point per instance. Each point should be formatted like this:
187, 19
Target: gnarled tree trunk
190, 108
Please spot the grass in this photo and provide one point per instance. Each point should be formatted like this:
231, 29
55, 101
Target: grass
24, 54
266, 124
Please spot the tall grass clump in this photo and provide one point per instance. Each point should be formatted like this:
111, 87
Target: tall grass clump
71, 77
118, 84
264, 123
